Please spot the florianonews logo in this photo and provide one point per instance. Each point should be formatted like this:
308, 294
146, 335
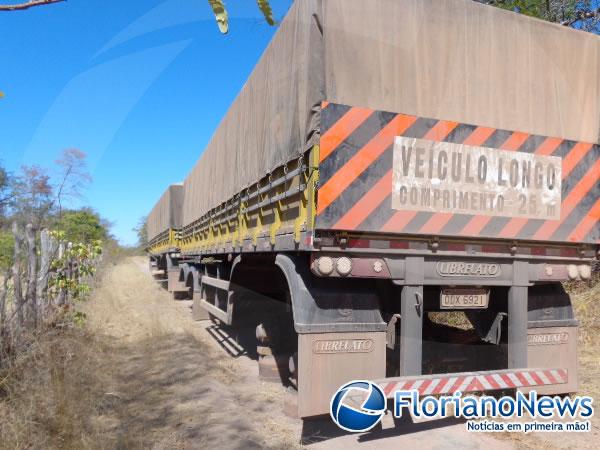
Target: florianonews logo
358, 406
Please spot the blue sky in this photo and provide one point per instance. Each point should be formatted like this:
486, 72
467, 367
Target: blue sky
138, 85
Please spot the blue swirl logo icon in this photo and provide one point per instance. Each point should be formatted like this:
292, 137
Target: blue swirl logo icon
358, 406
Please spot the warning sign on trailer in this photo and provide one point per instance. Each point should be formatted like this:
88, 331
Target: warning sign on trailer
456, 178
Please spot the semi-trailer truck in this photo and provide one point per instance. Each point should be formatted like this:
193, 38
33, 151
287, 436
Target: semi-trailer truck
388, 163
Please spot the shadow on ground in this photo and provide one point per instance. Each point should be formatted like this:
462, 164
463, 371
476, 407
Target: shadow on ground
322, 429
167, 394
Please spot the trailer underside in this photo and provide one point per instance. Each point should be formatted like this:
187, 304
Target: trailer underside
316, 332
346, 270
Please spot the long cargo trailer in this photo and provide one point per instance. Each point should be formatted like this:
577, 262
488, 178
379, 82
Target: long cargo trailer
388, 161
163, 228
166, 214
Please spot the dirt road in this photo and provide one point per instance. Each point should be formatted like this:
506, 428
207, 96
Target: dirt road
171, 384
178, 383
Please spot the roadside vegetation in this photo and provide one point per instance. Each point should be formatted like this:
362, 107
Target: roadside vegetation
49, 259
48, 255
140, 374
583, 14
585, 301
584, 296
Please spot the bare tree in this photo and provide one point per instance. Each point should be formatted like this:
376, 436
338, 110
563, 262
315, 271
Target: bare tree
217, 6
37, 197
27, 5
73, 178
32, 196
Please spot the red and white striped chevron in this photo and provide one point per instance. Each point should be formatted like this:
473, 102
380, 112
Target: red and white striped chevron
474, 381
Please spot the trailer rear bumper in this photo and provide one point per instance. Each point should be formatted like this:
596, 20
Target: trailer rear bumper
542, 380
494, 380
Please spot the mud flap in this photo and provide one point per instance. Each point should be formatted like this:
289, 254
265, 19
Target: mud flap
329, 306
552, 334
173, 270
341, 334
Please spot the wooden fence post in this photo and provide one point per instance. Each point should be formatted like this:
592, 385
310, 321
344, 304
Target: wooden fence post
30, 297
3, 295
17, 272
48, 248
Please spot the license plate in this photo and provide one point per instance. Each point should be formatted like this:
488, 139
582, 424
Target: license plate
464, 299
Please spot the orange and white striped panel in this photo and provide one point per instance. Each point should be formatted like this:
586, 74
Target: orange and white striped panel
355, 178
475, 381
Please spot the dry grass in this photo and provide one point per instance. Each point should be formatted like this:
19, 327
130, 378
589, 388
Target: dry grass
141, 374
51, 391
455, 319
585, 297
586, 300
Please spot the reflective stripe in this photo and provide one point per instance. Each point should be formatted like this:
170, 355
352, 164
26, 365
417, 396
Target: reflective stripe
529, 379
557, 376
499, 381
432, 386
514, 379
550, 376
543, 377
484, 382
449, 385
417, 384
465, 383
503, 379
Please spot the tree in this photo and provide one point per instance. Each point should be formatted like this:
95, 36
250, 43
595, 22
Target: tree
37, 258
3, 179
4, 194
7, 245
73, 176
584, 14
37, 196
142, 233
31, 197
217, 6
222, 18
28, 4
83, 225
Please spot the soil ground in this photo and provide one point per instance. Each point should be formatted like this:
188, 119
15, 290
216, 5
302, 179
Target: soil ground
149, 376
180, 385
173, 384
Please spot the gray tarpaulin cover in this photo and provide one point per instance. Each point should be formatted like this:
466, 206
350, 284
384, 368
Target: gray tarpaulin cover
446, 59
167, 212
